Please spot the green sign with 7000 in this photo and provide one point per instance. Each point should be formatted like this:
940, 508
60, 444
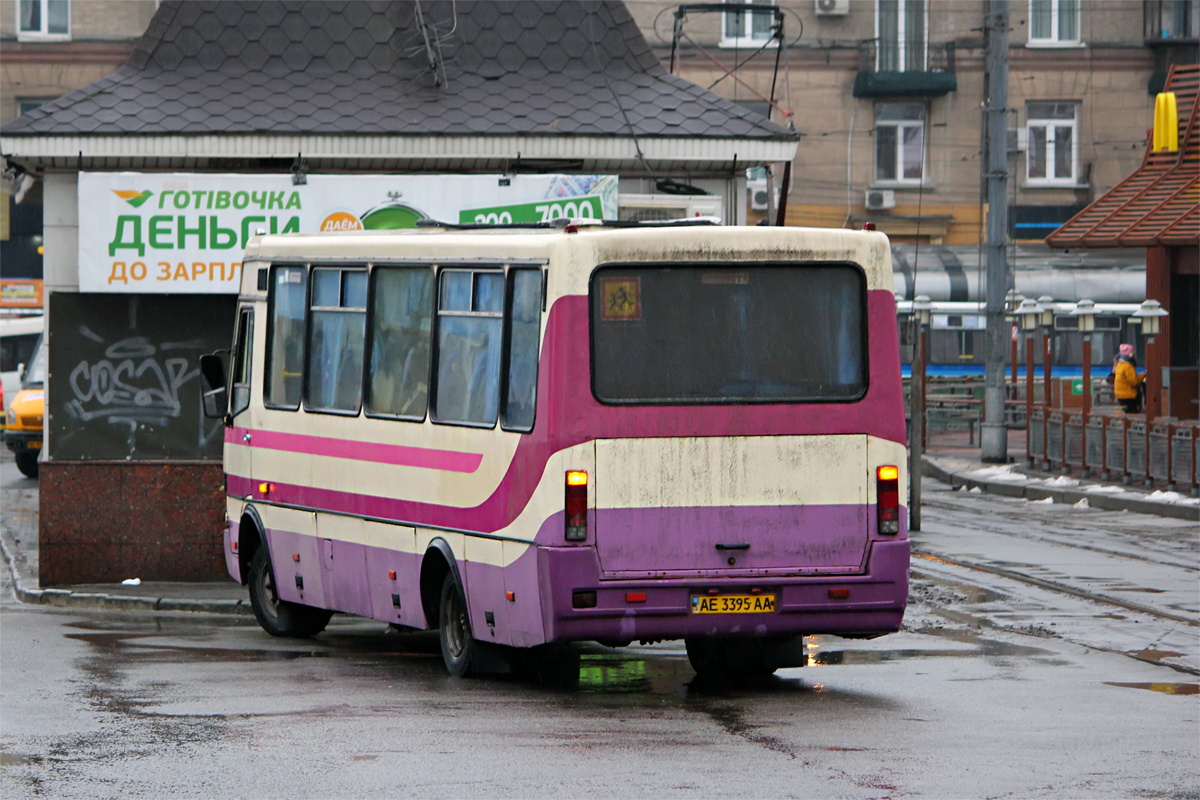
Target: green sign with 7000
585, 207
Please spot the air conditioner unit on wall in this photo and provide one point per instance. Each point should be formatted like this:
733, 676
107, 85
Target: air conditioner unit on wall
654, 207
879, 199
1018, 140
832, 8
757, 189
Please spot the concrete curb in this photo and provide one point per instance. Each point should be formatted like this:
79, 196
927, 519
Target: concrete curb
1061, 495
63, 598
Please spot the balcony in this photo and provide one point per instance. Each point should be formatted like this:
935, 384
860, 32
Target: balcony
927, 74
1171, 22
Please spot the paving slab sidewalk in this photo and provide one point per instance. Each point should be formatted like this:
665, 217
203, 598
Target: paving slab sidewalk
964, 468
19, 543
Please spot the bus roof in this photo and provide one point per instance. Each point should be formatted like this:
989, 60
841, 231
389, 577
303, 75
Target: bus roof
588, 246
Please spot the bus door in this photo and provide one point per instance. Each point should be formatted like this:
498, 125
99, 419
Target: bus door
732, 504
238, 452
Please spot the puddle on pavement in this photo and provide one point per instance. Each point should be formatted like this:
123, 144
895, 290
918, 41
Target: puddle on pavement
1150, 654
1164, 688
12, 759
585, 668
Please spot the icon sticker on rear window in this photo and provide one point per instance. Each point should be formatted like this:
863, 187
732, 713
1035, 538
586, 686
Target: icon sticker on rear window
621, 299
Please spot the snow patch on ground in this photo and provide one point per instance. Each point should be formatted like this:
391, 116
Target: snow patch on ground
1100, 488
1173, 497
1003, 472
1045, 502
1081, 504
1062, 481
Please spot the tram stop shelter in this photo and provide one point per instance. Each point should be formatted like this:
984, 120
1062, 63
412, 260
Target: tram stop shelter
271, 100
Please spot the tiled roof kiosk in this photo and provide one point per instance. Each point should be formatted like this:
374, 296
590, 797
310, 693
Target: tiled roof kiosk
231, 116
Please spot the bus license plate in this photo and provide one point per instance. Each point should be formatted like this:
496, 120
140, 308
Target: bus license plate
733, 604
35, 445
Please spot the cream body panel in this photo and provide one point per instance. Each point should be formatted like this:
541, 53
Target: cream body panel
733, 471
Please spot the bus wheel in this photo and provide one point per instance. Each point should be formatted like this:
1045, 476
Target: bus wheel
714, 657
455, 629
279, 617
28, 464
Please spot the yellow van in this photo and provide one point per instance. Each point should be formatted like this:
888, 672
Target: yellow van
23, 429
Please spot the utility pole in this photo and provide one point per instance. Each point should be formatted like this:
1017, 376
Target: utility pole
993, 434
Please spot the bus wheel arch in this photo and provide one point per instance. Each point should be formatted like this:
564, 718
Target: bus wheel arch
438, 562
275, 616
248, 545
445, 604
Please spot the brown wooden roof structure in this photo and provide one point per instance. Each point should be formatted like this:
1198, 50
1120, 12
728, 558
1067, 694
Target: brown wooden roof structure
1159, 204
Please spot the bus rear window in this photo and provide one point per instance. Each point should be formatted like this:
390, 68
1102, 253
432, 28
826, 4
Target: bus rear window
735, 333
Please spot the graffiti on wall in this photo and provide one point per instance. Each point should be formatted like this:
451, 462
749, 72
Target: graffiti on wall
127, 385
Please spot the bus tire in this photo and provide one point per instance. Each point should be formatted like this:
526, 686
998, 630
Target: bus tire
454, 629
28, 464
279, 617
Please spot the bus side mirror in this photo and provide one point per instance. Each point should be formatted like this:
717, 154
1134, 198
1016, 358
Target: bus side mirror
213, 371
216, 398
215, 403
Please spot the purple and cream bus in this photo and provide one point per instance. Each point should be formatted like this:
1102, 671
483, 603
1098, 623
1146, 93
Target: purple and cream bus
529, 435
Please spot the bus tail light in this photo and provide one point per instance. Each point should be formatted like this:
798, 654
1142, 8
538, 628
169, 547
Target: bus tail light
887, 499
576, 506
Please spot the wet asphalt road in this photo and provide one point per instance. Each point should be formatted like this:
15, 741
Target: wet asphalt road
997, 688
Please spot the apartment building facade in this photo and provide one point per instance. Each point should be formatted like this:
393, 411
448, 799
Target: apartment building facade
51, 48
887, 95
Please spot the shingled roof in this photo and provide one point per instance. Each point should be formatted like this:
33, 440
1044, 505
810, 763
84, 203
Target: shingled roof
1159, 204
358, 83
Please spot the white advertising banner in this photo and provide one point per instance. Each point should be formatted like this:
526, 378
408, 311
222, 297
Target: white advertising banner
185, 233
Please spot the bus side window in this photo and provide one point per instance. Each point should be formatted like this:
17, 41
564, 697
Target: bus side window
285, 342
521, 396
470, 324
335, 348
401, 324
241, 364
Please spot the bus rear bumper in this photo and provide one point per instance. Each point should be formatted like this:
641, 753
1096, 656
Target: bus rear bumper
855, 605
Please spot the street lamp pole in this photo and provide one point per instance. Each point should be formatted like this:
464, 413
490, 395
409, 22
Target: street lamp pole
1047, 304
1029, 313
1150, 314
1085, 310
922, 310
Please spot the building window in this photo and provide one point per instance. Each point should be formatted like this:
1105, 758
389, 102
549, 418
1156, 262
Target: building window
747, 28
1168, 20
1053, 150
899, 143
1053, 22
43, 18
25, 105
902, 27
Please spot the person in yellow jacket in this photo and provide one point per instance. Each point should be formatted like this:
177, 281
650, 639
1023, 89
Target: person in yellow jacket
1127, 380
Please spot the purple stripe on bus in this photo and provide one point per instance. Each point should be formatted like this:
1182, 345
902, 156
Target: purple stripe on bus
358, 580
395, 454
568, 414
